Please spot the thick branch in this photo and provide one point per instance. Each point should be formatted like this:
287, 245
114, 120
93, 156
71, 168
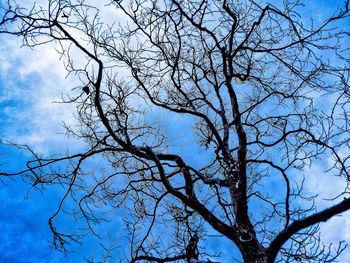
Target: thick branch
311, 220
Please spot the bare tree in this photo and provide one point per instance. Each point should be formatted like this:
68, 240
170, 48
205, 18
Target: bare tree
251, 78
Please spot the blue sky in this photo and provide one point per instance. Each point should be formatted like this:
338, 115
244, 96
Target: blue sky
24, 220
30, 80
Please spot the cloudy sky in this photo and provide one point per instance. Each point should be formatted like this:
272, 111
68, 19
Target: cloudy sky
31, 81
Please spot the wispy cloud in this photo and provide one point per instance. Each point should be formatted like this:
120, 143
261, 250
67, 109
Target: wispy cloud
33, 79
327, 187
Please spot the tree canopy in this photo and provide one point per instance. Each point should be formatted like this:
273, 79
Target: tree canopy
259, 93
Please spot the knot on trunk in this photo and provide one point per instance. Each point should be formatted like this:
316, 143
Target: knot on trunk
245, 236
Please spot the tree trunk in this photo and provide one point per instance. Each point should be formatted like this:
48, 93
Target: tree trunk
255, 257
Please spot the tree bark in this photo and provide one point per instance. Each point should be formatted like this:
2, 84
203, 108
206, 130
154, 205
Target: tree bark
254, 253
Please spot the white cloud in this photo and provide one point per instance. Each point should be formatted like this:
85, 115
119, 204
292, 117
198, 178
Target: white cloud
32, 80
328, 186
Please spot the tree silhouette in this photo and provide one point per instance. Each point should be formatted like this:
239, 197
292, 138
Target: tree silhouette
264, 93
